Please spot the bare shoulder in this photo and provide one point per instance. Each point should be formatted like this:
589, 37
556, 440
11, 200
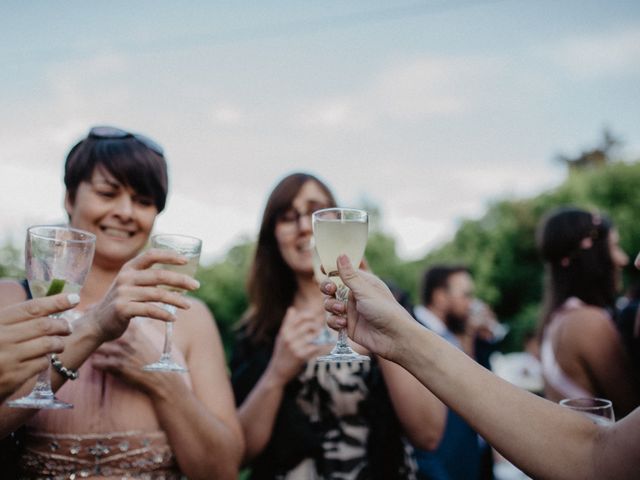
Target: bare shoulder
586, 320
199, 320
11, 292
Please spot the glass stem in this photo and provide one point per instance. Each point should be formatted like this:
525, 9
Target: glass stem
166, 350
42, 388
342, 294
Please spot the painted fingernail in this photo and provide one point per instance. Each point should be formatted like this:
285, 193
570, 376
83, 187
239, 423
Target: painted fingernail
73, 298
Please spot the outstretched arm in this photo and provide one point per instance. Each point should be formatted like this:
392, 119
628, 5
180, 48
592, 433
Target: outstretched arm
200, 422
540, 437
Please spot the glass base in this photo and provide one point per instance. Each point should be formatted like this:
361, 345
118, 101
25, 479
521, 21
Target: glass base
343, 358
165, 364
343, 354
39, 401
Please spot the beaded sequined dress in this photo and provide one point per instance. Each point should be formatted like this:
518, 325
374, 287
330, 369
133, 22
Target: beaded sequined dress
111, 433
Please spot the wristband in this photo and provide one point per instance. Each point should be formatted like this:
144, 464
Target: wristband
67, 373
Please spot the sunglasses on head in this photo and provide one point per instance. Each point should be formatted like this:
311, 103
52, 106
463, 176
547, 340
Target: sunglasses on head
104, 132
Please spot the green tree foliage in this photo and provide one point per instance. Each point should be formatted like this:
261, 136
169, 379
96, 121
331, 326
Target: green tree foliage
11, 262
223, 289
500, 247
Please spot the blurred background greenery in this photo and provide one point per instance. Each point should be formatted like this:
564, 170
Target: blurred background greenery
499, 247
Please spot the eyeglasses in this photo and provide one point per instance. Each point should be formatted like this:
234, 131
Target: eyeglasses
292, 216
105, 132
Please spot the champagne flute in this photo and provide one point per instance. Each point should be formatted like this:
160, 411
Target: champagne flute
189, 247
324, 337
340, 231
599, 410
57, 259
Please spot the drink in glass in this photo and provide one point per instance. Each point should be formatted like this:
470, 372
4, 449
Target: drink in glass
189, 247
338, 231
57, 260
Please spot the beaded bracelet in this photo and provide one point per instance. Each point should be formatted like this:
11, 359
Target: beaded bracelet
67, 373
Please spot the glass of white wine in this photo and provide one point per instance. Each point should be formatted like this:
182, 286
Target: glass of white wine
189, 247
338, 231
57, 260
599, 410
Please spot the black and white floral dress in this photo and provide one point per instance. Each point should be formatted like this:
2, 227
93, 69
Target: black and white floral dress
335, 422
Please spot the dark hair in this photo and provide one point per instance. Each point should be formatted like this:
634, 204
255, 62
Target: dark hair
272, 284
437, 277
129, 160
574, 244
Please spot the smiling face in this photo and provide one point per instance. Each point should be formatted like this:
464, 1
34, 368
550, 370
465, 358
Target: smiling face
120, 218
293, 228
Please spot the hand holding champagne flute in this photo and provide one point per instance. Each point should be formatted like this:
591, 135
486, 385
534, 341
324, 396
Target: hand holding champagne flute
339, 231
189, 247
57, 260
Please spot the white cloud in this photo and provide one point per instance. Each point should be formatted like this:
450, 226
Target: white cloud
227, 116
413, 90
597, 55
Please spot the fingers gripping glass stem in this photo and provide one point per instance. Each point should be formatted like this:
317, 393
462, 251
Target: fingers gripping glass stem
189, 247
342, 352
337, 231
165, 363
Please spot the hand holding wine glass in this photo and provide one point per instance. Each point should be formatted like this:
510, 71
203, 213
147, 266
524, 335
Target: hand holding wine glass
340, 231
190, 248
57, 260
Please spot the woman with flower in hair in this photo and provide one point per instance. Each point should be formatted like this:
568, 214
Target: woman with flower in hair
581, 350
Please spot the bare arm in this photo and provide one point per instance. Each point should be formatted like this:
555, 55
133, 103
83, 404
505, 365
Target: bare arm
542, 438
200, 423
423, 417
606, 361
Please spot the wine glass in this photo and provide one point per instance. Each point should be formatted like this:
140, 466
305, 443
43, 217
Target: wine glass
57, 259
340, 231
324, 337
189, 247
599, 410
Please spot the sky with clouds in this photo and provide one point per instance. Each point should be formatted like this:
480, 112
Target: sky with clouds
428, 109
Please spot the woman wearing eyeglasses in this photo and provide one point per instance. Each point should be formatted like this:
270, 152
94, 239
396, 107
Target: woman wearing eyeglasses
127, 422
304, 419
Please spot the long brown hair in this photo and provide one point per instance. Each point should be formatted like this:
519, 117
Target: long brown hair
574, 243
272, 284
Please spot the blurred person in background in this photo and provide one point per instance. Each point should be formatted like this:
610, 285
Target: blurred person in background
449, 308
581, 350
303, 419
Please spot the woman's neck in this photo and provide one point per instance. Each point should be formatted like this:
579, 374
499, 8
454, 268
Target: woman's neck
308, 292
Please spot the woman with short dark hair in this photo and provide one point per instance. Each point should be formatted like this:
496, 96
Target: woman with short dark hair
127, 422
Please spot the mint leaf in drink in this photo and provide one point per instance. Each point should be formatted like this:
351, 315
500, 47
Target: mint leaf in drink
56, 286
